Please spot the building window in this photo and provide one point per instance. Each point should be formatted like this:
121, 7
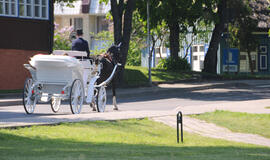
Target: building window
8, 7
201, 48
195, 49
242, 57
157, 50
36, 9
102, 24
78, 23
263, 62
40, 8
263, 49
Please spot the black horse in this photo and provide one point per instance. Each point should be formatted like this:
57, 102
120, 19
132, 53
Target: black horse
108, 60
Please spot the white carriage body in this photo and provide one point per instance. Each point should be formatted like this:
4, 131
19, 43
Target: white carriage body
64, 75
56, 72
58, 69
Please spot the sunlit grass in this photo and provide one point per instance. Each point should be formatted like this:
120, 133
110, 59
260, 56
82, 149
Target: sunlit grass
239, 122
128, 139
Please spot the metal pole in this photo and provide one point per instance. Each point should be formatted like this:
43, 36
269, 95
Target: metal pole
177, 128
148, 46
182, 139
179, 119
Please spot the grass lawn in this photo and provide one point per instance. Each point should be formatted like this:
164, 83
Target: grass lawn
128, 139
239, 122
135, 75
10, 91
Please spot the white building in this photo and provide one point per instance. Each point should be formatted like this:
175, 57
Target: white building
89, 15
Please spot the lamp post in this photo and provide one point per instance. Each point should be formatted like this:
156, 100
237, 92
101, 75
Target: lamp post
148, 46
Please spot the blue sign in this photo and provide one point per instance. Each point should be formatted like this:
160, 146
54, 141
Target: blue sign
230, 59
230, 56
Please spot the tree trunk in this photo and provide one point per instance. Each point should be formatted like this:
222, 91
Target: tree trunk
174, 38
122, 33
127, 29
210, 62
117, 14
250, 62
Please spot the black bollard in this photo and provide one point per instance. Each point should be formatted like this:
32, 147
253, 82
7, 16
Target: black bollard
179, 119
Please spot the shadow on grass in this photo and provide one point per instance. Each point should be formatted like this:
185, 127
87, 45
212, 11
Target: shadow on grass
28, 148
133, 77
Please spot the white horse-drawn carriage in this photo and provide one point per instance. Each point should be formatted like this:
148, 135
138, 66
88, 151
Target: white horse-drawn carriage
64, 75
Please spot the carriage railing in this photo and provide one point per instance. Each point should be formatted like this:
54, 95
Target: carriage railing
110, 78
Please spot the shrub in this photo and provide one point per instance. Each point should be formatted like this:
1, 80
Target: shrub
178, 64
61, 38
106, 40
134, 54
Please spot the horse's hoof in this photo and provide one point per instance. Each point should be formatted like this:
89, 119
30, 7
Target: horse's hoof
92, 105
116, 109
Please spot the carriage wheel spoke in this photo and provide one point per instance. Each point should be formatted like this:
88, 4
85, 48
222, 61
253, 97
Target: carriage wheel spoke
76, 96
29, 100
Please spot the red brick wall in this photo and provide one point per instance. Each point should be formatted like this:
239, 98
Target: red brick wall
12, 71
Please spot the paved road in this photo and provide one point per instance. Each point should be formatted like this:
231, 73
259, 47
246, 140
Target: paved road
145, 101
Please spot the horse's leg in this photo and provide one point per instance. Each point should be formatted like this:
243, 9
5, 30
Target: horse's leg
114, 95
92, 105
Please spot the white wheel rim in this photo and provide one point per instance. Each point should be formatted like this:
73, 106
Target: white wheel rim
76, 97
29, 102
56, 102
102, 98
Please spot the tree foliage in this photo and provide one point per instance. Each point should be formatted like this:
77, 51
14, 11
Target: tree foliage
178, 15
223, 13
241, 29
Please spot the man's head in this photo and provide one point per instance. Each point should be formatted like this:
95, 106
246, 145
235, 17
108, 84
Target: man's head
79, 32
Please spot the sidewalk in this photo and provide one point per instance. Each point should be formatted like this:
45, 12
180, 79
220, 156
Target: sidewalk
211, 130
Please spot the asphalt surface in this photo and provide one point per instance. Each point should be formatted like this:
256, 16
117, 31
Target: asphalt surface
160, 100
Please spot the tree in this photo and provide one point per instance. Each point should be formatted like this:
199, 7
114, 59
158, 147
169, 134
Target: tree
177, 14
221, 13
122, 21
199, 31
219, 18
247, 21
139, 33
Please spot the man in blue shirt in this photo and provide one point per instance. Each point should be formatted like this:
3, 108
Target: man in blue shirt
80, 44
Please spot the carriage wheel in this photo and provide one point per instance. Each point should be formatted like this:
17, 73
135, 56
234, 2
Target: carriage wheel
29, 98
76, 96
55, 104
101, 99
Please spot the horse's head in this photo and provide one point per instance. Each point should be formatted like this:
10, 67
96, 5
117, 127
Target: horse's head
114, 51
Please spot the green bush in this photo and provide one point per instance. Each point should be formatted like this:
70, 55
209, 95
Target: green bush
171, 64
134, 54
106, 37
